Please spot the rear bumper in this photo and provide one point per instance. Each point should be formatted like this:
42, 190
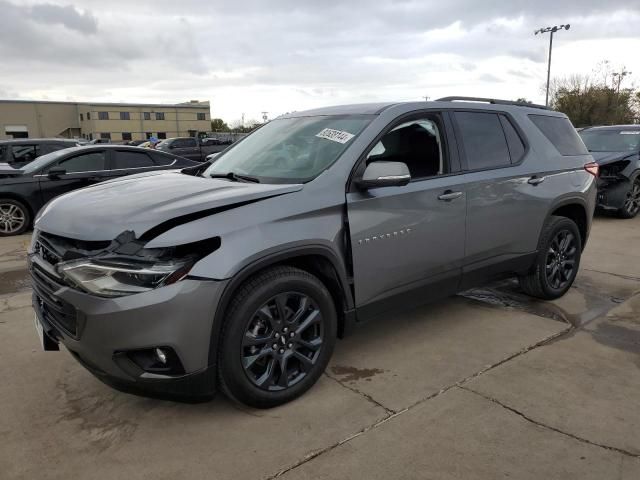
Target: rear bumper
178, 316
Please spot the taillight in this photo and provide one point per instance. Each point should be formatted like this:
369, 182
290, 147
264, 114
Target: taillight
593, 168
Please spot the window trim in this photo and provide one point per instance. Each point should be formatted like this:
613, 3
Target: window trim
464, 163
449, 146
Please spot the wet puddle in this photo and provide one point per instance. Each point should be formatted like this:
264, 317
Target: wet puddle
507, 294
352, 374
14, 281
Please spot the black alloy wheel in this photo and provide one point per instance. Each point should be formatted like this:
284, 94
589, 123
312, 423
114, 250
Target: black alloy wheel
631, 205
561, 260
282, 341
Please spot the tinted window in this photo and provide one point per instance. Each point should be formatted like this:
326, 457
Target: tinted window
483, 139
514, 142
560, 133
125, 159
88, 162
611, 140
24, 153
417, 143
162, 159
103, 115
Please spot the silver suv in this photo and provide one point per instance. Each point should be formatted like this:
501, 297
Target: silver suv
241, 274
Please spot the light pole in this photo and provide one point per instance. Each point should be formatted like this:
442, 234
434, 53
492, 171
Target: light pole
551, 30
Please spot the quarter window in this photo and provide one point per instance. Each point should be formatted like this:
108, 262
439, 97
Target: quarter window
124, 159
103, 115
560, 133
88, 162
483, 139
417, 143
514, 142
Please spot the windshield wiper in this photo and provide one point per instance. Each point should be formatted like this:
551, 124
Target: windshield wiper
197, 169
235, 177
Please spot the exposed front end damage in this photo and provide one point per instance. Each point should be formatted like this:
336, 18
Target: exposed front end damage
613, 184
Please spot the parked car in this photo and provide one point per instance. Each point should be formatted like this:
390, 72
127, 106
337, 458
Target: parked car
191, 147
241, 274
23, 192
135, 143
616, 149
19, 153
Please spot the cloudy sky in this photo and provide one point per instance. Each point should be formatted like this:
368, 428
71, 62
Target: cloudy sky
282, 55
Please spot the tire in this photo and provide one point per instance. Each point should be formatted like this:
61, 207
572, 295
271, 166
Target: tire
15, 217
542, 280
265, 330
631, 205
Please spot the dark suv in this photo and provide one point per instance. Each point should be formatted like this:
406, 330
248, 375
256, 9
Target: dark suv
242, 273
19, 153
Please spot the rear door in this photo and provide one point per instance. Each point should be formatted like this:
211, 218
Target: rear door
408, 242
80, 170
503, 211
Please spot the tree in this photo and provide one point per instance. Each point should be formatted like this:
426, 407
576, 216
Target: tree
219, 125
596, 99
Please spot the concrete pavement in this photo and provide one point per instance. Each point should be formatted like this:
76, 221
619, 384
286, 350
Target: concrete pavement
487, 385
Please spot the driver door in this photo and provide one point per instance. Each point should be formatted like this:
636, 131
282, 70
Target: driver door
408, 241
81, 170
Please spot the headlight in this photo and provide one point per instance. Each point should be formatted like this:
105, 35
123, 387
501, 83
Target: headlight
118, 279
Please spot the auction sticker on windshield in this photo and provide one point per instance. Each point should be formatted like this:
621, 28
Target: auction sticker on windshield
335, 135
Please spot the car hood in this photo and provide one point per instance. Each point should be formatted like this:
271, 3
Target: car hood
142, 202
604, 158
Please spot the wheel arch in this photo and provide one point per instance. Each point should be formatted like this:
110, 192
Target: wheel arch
575, 209
22, 200
318, 260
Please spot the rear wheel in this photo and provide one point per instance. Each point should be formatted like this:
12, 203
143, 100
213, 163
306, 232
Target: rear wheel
14, 217
278, 337
631, 205
557, 262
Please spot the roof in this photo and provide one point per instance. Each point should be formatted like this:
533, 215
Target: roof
116, 104
378, 108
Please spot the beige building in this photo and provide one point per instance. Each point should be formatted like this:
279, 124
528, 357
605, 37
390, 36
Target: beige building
115, 121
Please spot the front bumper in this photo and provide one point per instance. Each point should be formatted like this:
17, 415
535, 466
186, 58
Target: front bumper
98, 330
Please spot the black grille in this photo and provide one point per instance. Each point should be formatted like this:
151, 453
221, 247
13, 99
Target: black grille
51, 307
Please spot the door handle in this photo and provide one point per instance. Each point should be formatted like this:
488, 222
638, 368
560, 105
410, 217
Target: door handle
535, 180
449, 195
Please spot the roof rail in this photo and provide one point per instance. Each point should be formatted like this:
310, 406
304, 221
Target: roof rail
493, 101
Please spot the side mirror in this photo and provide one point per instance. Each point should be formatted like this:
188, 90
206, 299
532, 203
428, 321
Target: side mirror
56, 172
384, 174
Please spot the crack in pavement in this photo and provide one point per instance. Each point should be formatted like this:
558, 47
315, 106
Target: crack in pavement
619, 275
549, 427
393, 415
359, 392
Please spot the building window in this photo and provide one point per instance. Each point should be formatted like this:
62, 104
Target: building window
162, 135
105, 136
103, 115
88, 115
124, 116
91, 136
193, 133
147, 115
148, 135
126, 135
81, 119
202, 116
159, 115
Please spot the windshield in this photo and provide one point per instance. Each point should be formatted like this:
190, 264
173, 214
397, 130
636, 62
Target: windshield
291, 150
611, 140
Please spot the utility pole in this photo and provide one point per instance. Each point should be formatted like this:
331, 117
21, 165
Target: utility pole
550, 30
426, 98
265, 117
618, 77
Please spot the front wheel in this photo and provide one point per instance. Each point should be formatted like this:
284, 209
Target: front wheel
557, 261
631, 205
278, 336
